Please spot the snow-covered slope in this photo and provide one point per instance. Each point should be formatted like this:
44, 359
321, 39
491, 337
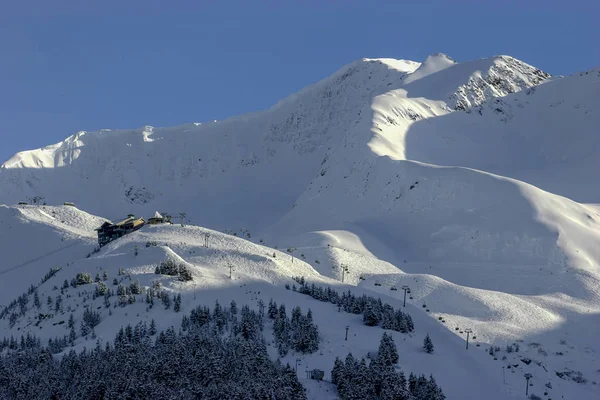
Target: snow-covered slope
473, 181
228, 166
260, 272
546, 135
35, 239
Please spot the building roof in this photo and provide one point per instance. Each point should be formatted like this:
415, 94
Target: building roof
125, 221
139, 221
104, 225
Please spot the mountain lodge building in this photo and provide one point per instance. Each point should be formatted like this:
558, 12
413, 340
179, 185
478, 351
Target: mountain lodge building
109, 231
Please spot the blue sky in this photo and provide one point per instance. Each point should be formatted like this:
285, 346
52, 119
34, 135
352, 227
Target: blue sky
69, 65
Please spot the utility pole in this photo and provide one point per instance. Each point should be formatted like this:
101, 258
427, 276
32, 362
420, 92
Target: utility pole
344, 269
206, 236
291, 251
406, 289
468, 331
527, 377
230, 269
347, 327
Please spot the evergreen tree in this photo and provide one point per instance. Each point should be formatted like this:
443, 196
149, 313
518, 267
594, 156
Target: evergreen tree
412, 383
281, 330
363, 385
101, 289
36, 300
152, 330
388, 352
433, 391
135, 287
150, 298
58, 303
296, 315
421, 389
250, 324
428, 344
409, 323
388, 320
166, 299
177, 303
282, 313
337, 371
219, 316
272, 309
91, 318
72, 335
393, 387
370, 316
85, 329
107, 298
401, 323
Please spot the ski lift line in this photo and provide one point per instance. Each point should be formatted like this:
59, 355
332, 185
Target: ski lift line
37, 258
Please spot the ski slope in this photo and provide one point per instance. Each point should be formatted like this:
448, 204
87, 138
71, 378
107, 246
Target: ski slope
35, 239
496, 317
471, 182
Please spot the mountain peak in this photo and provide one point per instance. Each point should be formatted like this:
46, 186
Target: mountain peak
433, 63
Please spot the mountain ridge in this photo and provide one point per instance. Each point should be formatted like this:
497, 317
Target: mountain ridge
467, 182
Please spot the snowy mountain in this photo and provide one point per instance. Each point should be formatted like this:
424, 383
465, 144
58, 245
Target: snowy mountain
471, 182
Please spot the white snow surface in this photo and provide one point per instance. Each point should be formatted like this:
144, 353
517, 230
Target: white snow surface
474, 183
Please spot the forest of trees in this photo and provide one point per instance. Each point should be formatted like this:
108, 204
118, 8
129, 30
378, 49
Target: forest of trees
374, 311
215, 355
208, 357
299, 333
173, 268
379, 379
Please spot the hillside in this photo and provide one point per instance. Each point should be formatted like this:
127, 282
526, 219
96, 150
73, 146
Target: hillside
35, 239
472, 182
261, 272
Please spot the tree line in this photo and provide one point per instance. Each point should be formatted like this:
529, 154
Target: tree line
374, 311
216, 354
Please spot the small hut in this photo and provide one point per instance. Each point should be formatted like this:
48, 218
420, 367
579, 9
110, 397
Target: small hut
159, 219
317, 374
